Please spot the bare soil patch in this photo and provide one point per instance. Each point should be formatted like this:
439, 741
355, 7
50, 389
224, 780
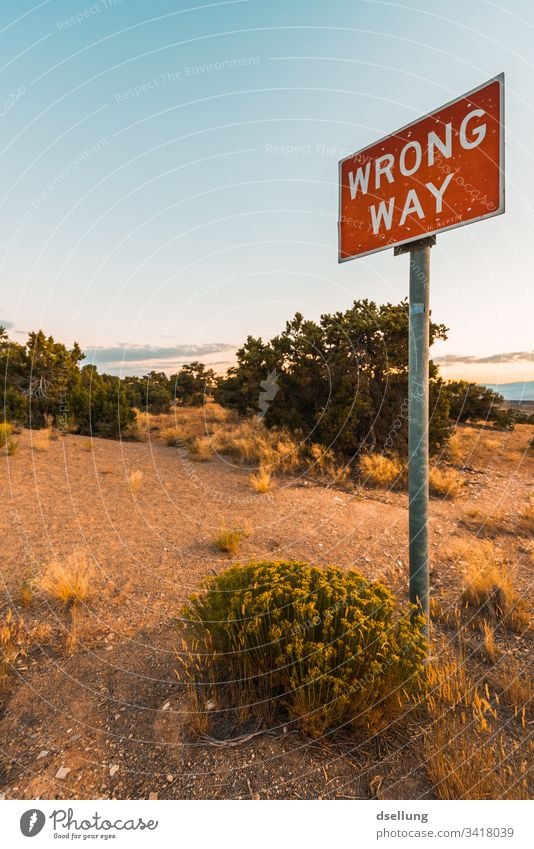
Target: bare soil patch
112, 699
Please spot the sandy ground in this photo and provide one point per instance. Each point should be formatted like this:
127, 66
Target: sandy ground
114, 701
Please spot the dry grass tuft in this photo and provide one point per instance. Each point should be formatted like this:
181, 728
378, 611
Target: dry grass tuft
200, 449
490, 588
6, 429
490, 646
135, 480
87, 445
251, 442
40, 439
525, 521
454, 451
380, 471
7, 443
229, 539
192, 670
69, 582
465, 757
171, 435
518, 688
261, 481
26, 593
445, 483
11, 643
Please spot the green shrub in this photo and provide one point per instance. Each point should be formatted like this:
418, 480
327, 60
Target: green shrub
329, 647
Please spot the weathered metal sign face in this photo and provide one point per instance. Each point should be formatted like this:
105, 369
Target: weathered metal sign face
442, 171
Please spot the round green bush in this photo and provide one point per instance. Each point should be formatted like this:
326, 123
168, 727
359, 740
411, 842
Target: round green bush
328, 647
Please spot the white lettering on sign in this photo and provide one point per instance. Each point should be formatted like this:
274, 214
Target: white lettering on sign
382, 214
361, 179
444, 147
441, 171
383, 165
417, 158
410, 158
479, 131
438, 193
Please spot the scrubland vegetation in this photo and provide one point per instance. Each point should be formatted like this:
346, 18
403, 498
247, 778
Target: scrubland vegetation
273, 648
323, 647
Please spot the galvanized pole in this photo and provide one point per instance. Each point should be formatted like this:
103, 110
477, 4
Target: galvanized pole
418, 409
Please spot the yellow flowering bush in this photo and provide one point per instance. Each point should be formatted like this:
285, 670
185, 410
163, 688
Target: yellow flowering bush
327, 647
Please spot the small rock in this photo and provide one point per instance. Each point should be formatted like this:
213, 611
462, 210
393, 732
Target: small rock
42, 754
69, 730
62, 772
170, 778
114, 769
117, 716
210, 705
166, 706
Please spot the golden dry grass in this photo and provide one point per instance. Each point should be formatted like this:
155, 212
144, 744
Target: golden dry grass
251, 442
7, 443
445, 483
380, 471
70, 582
490, 589
517, 687
87, 445
465, 756
6, 429
229, 539
135, 481
11, 643
496, 520
454, 451
261, 481
489, 582
171, 435
26, 593
200, 449
490, 646
525, 521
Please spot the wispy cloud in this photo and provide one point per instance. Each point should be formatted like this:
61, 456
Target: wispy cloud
508, 357
146, 353
125, 358
5, 323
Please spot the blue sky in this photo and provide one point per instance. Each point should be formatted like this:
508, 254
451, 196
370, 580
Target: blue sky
170, 171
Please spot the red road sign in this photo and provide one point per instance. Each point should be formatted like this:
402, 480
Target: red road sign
442, 171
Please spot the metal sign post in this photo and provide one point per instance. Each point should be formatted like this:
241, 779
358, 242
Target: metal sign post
418, 409
442, 171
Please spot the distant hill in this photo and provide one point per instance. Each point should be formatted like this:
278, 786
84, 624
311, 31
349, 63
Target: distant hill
522, 391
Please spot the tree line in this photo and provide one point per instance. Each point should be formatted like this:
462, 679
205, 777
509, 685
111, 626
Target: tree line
341, 381
44, 382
